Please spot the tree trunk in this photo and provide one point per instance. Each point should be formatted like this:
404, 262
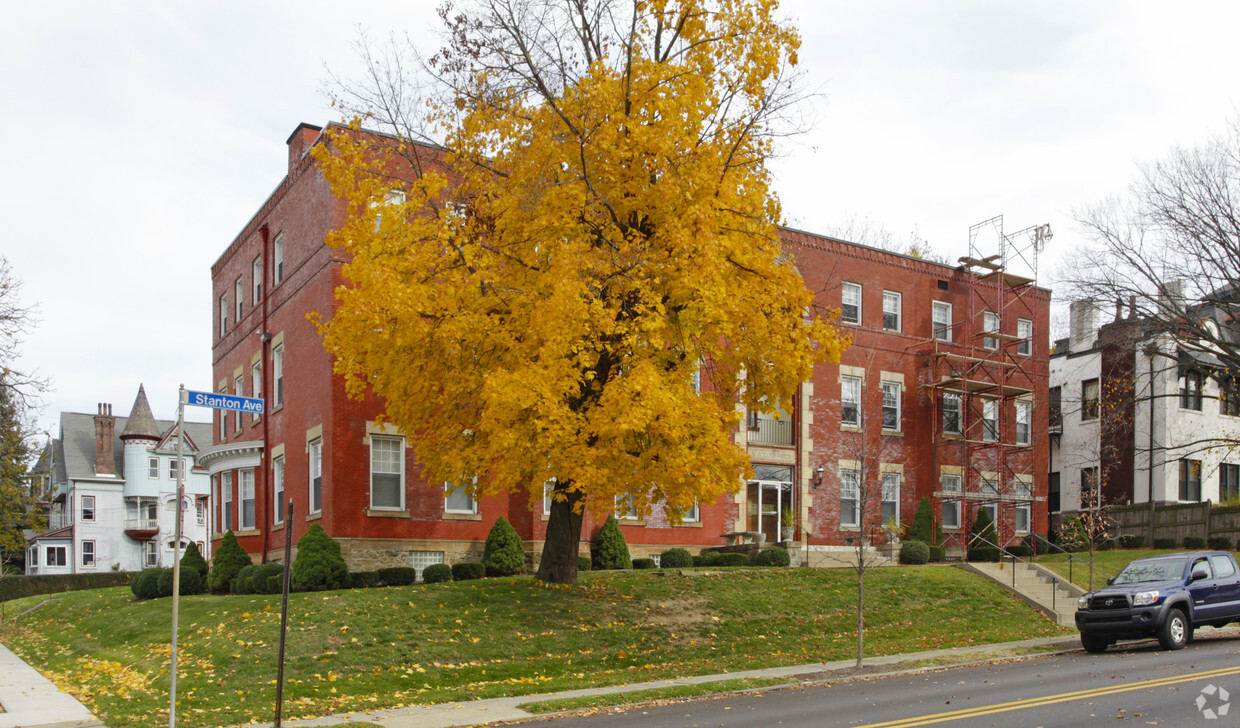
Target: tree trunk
860, 615
559, 557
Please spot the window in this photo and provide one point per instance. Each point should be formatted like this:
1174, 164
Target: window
458, 498
951, 413
941, 316
990, 420
57, 556
626, 508
173, 470
277, 490
240, 392
1229, 483
993, 510
891, 497
277, 260
1222, 567
226, 518
1023, 515
951, 514
547, 488
152, 468
950, 483
891, 310
256, 273
1229, 395
990, 324
1024, 332
247, 500
34, 556
1089, 399
88, 554
316, 476
1089, 487
392, 197
277, 375
256, 380
200, 510
1190, 480
387, 473
1190, 389
223, 313
239, 294
692, 514
215, 498
150, 554
88, 508
850, 303
850, 401
990, 486
891, 406
850, 491
1024, 413
1055, 402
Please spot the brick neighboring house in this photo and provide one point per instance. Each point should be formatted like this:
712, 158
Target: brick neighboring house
360, 481
112, 493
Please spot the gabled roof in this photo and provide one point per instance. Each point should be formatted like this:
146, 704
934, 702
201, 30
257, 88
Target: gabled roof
75, 451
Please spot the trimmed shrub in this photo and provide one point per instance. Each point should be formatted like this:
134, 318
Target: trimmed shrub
675, 559
1192, 543
699, 560
983, 526
468, 571
1131, 541
192, 559
145, 584
504, 554
243, 582
260, 579
436, 573
1023, 550
984, 553
229, 558
772, 556
318, 565
708, 558
275, 584
398, 575
914, 552
922, 526
1164, 543
608, 549
364, 579
1219, 543
583, 563
732, 559
938, 553
190, 583
643, 563
15, 586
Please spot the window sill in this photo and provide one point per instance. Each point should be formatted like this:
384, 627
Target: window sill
892, 433
277, 527
688, 524
277, 407
248, 532
377, 513
314, 516
447, 516
631, 521
846, 527
850, 428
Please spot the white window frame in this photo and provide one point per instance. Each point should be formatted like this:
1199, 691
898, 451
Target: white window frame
173, 467
893, 305
226, 490
890, 499
277, 490
152, 468
248, 503
990, 486
316, 475
990, 414
256, 380
849, 290
277, 260
892, 394
1024, 422
277, 375
548, 486
953, 507
693, 514
34, 555
850, 492
958, 406
256, 272
200, 510
60, 559
850, 394
1023, 510
88, 509
941, 320
626, 507
150, 554
993, 510
1024, 332
449, 489
385, 463
88, 554
990, 325
223, 314
239, 292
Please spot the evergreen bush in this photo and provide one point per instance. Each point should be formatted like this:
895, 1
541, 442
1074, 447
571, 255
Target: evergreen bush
192, 559
436, 573
15, 586
914, 552
708, 559
772, 556
608, 549
1131, 541
921, 529
1219, 543
1192, 543
190, 582
229, 558
699, 560
675, 559
468, 571
398, 575
985, 527
583, 563
1022, 550
145, 584
504, 554
318, 565
938, 554
643, 563
1164, 543
243, 582
732, 559
260, 578
363, 579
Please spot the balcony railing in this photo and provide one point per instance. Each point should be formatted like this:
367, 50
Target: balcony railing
771, 431
142, 524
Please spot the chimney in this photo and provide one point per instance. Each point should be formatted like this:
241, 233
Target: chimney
1083, 322
299, 143
105, 434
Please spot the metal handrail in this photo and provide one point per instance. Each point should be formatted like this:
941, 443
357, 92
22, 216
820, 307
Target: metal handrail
1015, 558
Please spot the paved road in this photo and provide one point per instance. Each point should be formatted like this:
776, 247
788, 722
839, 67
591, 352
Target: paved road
1137, 682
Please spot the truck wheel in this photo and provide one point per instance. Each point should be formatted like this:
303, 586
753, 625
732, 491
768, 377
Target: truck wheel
1093, 643
1175, 632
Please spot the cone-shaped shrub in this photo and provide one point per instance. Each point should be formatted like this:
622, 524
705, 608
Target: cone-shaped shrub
318, 565
192, 559
921, 529
608, 550
228, 560
503, 555
982, 550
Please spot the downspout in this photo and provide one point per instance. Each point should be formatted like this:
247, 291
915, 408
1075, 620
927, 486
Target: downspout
263, 362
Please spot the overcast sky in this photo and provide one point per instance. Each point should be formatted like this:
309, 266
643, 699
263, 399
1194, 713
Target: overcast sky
139, 137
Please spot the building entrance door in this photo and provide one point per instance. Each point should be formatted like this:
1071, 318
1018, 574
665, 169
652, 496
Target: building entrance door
770, 502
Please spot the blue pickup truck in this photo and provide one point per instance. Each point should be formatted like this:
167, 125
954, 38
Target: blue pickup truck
1162, 596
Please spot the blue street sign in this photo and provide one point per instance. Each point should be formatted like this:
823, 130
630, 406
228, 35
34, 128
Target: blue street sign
225, 402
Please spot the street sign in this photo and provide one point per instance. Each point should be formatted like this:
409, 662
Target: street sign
225, 402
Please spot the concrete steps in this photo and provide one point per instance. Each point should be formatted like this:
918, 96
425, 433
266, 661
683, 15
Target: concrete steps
1046, 591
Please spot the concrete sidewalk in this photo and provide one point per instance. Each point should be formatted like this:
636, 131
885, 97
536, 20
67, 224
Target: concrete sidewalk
493, 710
32, 701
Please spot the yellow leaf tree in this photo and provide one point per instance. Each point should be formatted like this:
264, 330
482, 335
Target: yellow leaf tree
580, 282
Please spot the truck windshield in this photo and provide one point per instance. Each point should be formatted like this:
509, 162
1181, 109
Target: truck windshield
1144, 570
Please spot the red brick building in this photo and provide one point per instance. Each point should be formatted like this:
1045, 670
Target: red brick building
935, 345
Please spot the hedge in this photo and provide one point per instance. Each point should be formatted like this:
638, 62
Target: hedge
398, 575
938, 553
1164, 543
732, 559
1192, 543
145, 584
363, 579
18, 586
914, 552
1022, 550
1219, 543
1131, 541
436, 573
468, 570
675, 558
191, 582
583, 563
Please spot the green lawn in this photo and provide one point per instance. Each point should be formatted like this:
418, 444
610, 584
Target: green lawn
399, 646
1106, 564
